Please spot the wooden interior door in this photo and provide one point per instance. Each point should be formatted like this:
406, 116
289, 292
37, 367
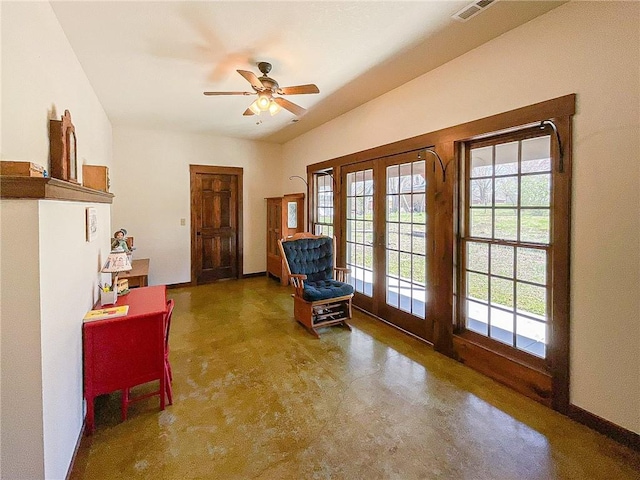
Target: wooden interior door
215, 223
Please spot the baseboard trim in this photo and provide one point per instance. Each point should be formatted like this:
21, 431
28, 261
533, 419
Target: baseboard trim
180, 285
253, 275
599, 424
75, 451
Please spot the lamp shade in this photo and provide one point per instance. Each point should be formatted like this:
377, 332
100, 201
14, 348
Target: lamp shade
273, 108
263, 101
117, 262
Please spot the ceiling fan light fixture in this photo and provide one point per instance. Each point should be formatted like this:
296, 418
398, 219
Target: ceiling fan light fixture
255, 108
274, 108
264, 100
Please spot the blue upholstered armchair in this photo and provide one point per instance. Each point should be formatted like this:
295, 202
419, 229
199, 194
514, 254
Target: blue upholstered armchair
322, 296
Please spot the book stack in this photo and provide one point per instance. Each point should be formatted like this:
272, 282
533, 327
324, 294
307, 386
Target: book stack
103, 313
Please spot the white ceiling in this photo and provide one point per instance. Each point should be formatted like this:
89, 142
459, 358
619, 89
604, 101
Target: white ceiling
149, 62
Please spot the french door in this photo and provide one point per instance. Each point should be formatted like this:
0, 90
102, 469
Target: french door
387, 238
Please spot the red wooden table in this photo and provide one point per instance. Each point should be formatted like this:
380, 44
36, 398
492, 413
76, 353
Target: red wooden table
126, 351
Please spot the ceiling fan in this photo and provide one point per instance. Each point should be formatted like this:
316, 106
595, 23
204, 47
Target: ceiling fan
266, 87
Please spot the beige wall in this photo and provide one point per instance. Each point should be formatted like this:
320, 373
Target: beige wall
150, 180
48, 272
588, 48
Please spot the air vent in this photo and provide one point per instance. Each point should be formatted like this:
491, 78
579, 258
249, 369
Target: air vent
472, 10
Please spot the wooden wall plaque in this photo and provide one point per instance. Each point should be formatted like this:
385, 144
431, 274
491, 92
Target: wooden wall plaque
62, 149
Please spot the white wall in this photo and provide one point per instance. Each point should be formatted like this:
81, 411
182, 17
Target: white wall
69, 271
21, 397
150, 180
43, 302
41, 78
588, 48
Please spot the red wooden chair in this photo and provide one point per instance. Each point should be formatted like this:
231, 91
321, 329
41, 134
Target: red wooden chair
168, 375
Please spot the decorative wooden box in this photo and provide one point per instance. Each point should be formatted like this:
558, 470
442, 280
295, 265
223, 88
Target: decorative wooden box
96, 177
23, 169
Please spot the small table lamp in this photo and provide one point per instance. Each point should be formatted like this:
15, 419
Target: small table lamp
117, 261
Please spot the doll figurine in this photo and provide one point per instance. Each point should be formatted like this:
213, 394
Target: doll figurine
119, 241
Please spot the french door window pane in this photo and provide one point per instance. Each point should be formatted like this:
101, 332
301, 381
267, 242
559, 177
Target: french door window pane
534, 225
393, 208
368, 233
419, 216
392, 292
405, 265
393, 179
405, 296
419, 238
392, 263
419, 269
419, 177
419, 301
393, 236
368, 284
405, 237
368, 257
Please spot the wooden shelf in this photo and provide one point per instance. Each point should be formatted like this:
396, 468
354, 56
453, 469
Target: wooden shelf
39, 188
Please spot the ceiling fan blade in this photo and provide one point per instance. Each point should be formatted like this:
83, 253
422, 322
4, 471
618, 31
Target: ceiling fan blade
229, 93
299, 89
248, 112
292, 107
252, 79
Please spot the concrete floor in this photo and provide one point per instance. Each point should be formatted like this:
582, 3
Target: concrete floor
257, 397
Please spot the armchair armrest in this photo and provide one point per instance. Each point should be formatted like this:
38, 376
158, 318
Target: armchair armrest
297, 280
340, 274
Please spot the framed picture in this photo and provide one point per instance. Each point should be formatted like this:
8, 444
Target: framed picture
91, 224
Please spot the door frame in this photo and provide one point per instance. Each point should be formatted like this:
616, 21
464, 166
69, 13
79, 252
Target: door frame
194, 170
